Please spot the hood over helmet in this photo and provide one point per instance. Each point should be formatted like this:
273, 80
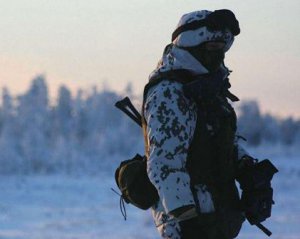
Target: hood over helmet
198, 27
194, 29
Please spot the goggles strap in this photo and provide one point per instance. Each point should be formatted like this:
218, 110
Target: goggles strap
188, 27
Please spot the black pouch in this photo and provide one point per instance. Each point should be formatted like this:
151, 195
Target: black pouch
134, 184
257, 193
230, 222
257, 205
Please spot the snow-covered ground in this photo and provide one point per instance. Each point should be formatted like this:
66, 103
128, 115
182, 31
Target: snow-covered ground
65, 207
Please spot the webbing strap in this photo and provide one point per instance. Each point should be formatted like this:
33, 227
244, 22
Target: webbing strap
183, 76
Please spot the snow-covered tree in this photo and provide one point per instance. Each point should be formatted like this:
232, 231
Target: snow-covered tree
34, 125
6, 111
289, 129
270, 129
250, 122
64, 111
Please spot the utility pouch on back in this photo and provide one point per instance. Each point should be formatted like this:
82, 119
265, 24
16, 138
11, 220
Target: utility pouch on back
134, 184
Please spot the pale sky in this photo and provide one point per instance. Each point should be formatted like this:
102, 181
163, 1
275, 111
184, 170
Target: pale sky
81, 43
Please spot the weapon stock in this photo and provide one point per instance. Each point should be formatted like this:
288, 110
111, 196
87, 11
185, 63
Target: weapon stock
264, 229
128, 108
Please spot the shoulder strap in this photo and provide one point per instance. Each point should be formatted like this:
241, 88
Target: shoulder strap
180, 75
183, 76
227, 93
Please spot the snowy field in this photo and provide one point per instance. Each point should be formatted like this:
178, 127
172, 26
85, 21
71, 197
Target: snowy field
69, 207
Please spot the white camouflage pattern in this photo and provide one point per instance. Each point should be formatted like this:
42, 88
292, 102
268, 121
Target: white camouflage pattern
201, 35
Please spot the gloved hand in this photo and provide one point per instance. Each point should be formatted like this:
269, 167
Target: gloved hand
257, 195
184, 212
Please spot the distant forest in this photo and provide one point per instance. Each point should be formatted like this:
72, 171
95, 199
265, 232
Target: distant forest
86, 133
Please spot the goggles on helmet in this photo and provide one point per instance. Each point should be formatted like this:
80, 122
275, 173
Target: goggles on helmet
218, 20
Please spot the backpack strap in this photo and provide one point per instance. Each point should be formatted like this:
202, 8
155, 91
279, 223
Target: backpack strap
180, 75
227, 93
183, 76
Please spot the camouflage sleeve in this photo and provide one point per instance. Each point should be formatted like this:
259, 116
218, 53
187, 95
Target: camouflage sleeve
171, 121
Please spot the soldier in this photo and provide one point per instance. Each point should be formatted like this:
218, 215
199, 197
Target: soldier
190, 131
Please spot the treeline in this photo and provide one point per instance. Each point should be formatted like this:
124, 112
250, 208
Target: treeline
79, 134
86, 133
